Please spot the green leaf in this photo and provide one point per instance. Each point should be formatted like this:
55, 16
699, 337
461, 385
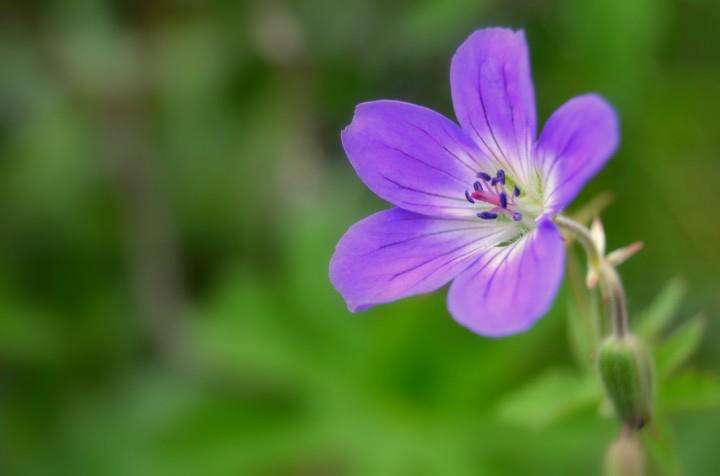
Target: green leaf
431, 25
676, 349
689, 390
582, 316
582, 334
653, 320
662, 457
592, 208
554, 394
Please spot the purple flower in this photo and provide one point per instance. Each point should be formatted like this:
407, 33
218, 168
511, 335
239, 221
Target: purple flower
473, 203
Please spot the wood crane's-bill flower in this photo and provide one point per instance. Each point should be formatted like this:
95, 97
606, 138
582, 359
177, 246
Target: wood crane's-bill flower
474, 203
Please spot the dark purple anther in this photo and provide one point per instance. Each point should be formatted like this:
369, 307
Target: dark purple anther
487, 215
484, 176
494, 182
501, 176
517, 216
503, 199
469, 198
478, 187
516, 191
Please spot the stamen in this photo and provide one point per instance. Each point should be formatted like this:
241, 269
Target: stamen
494, 192
503, 200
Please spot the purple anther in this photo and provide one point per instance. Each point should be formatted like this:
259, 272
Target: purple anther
503, 199
487, 215
477, 186
484, 176
516, 191
494, 182
469, 198
501, 176
517, 216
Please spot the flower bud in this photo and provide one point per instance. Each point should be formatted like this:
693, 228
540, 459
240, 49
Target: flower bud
626, 373
625, 457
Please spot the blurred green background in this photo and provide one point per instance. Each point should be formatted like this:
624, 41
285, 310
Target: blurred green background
172, 187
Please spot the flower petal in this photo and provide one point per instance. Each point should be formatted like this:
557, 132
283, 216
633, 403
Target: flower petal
412, 157
574, 145
494, 99
395, 253
508, 288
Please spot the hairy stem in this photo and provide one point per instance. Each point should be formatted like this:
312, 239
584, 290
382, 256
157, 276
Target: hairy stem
610, 281
616, 294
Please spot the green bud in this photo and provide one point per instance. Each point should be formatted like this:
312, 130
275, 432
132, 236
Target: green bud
625, 457
626, 373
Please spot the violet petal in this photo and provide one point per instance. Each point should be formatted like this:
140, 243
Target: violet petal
395, 253
508, 288
412, 157
493, 97
575, 144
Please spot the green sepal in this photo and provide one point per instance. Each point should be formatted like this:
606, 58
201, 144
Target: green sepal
626, 372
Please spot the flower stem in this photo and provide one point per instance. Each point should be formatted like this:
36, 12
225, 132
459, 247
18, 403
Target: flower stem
610, 281
616, 294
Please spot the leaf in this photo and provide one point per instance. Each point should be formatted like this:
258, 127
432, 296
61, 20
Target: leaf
582, 316
583, 333
441, 19
689, 390
681, 344
658, 315
662, 458
593, 208
554, 394
27, 334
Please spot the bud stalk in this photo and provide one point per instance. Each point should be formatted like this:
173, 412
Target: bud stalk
625, 457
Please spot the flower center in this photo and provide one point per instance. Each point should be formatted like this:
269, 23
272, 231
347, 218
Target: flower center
495, 191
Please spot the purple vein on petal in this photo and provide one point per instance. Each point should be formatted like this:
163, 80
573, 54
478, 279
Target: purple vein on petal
431, 218
434, 233
425, 192
457, 258
439, 169
516, 282
455, 141
487, 263
491, 154
506, 96
473, 170
439, 207
501, 161
556, 159
567, 179
497, 268
484, 111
